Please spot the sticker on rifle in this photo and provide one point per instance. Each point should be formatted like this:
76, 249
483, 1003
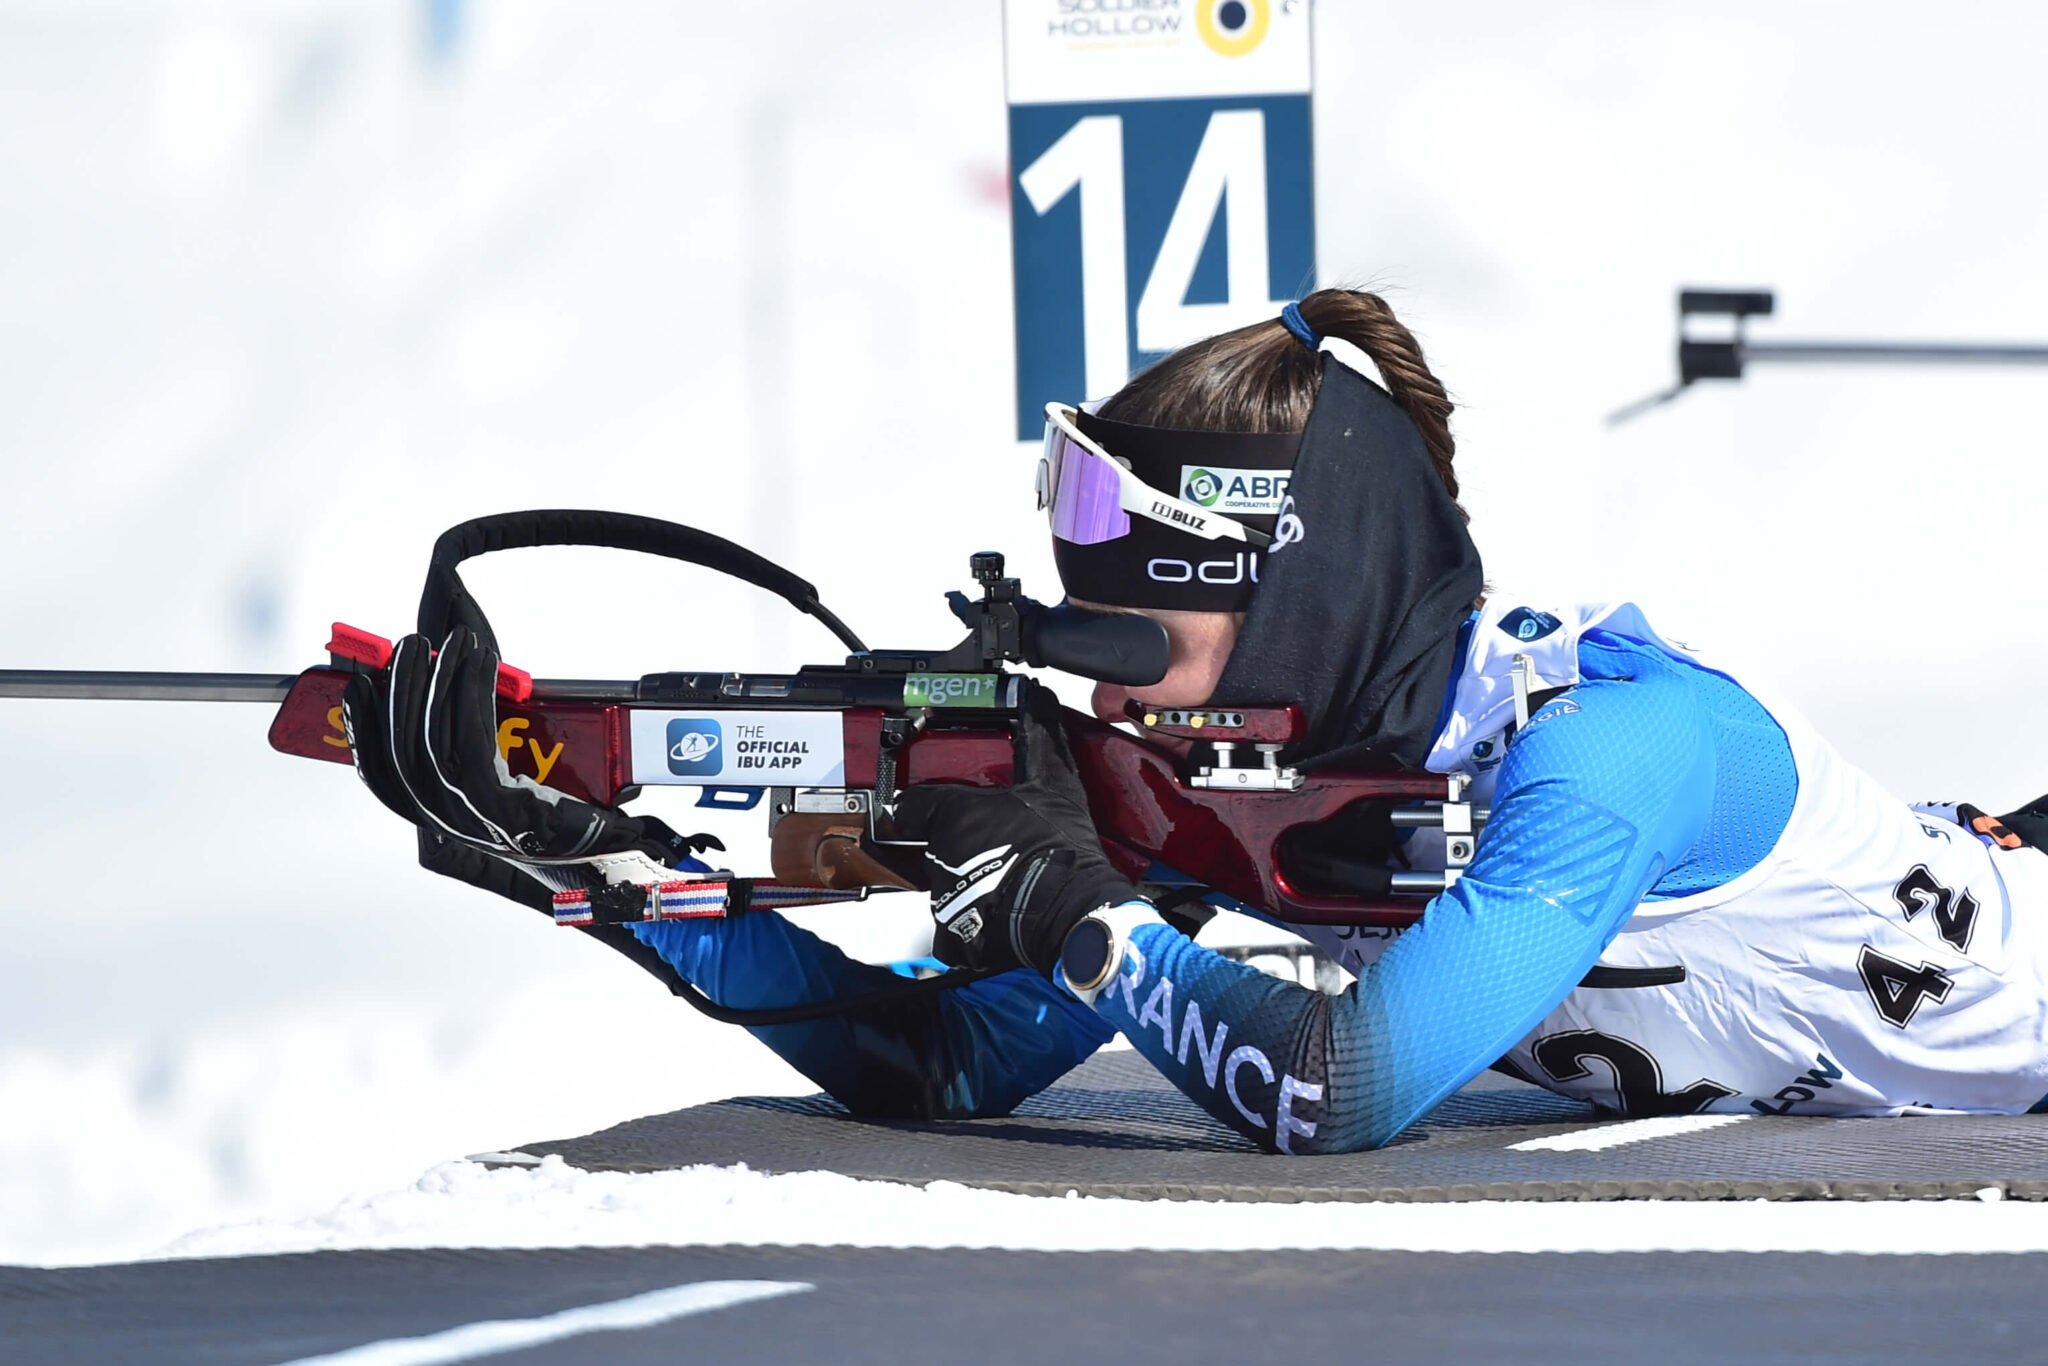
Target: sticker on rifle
693, 747
951, 690
739, 748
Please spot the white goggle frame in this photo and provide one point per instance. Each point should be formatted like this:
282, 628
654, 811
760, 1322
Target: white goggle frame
1133, 495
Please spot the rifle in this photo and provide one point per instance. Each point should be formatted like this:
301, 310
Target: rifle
1198, 804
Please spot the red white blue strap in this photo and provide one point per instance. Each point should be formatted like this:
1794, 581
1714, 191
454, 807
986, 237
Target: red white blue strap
706, 898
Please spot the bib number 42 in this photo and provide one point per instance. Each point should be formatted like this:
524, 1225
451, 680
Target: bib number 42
1638, 1080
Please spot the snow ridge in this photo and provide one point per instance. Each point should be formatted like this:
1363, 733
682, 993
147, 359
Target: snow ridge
466, 1204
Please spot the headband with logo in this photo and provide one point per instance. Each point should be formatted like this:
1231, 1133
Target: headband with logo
1242, 475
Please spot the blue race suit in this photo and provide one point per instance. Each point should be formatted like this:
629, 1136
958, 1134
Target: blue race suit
977, 1050
1653, 777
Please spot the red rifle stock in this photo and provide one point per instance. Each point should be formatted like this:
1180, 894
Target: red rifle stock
1145, 808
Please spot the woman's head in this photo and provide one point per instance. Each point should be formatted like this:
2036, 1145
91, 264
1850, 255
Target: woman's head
1262, 378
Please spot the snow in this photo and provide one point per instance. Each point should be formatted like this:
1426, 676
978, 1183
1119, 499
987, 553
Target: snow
465, 1204
1603, 1136
288, 290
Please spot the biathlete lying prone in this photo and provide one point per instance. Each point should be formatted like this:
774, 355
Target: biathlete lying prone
1772, 931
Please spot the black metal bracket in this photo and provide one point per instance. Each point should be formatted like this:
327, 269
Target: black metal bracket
1727, 357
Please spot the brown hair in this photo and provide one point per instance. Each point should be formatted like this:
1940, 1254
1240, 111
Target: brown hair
1261, 378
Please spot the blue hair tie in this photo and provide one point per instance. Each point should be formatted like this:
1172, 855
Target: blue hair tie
1291, 319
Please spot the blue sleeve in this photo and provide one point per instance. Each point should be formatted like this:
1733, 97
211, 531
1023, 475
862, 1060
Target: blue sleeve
1606, 786
978, 1050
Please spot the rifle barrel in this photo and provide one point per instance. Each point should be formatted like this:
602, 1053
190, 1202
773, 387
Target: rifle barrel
1909, 353
144, 687
123, 685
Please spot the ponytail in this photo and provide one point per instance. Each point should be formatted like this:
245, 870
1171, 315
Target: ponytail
1367, 323
1262, 378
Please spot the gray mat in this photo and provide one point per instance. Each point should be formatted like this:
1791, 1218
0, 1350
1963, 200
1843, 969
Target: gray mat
1114, 1127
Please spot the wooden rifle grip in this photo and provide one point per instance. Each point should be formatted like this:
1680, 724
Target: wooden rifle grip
829, 849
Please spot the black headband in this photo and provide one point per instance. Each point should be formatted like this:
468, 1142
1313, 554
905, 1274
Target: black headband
1242, 475
1357, 616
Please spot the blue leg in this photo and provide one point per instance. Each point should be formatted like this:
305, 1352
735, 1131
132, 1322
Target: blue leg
975, 1051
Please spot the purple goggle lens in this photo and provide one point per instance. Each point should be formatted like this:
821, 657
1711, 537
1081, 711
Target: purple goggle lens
1082, 492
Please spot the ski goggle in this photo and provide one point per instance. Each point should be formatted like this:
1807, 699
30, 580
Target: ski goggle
1090, 496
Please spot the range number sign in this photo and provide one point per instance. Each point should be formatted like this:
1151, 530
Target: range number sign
1162, 184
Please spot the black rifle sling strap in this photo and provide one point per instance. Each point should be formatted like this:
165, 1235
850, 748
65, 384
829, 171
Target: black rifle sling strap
446, 603
909, 988
465, 864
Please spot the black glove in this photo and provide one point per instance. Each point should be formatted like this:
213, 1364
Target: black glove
1013, 869
424, 737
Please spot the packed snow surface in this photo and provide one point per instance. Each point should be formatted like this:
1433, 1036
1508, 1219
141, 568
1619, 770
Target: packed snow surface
466, 1204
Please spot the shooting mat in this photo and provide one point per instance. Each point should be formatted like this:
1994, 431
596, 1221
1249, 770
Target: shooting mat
1114, 1127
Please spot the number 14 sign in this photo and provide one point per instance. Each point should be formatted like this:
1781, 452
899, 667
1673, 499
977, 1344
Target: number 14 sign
1162, 187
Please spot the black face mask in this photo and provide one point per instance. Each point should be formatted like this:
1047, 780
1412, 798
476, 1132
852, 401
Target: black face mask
1360, 599
1240, 475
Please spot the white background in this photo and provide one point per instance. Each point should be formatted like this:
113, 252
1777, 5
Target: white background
283, 292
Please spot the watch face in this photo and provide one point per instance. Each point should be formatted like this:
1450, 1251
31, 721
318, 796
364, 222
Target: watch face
1085, 955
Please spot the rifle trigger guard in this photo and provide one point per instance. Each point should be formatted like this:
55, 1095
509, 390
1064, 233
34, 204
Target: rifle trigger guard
729, 798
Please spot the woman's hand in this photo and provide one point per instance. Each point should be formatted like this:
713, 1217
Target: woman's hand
1013, 869
424, 737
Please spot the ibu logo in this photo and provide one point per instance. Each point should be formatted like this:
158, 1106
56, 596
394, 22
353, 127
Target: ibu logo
1204, 488
695, 748
1526, 625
